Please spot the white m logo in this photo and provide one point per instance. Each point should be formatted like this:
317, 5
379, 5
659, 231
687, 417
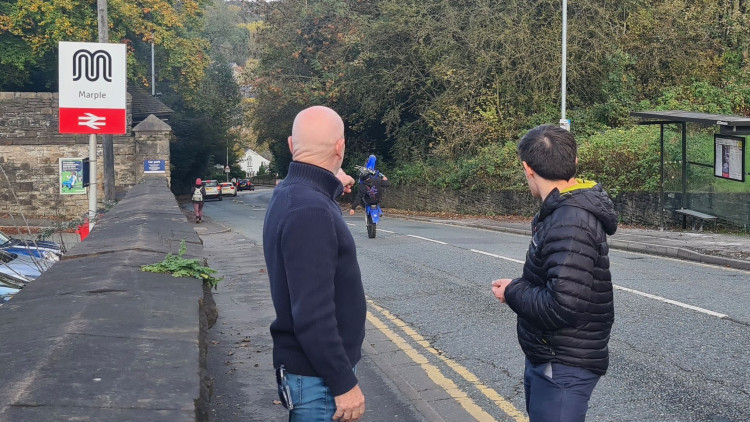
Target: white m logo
92, 65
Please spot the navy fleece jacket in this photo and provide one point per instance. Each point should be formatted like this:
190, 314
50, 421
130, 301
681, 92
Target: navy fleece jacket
316, 285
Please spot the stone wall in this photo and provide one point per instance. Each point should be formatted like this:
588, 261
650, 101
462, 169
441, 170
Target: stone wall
634, 208
94, 338
30, 149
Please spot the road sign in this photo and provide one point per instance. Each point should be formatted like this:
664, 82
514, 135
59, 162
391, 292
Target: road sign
93, 88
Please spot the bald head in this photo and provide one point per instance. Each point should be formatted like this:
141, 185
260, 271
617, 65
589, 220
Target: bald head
318, 138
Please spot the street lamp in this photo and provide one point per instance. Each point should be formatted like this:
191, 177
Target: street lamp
564, 123
226, 169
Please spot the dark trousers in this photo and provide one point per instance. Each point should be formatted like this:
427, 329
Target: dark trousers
557, 393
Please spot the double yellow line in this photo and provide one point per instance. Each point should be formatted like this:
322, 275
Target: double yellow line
436, 375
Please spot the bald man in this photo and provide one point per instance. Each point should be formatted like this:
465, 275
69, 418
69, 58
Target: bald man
316, 284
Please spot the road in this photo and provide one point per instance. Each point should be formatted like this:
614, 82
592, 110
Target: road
679, 346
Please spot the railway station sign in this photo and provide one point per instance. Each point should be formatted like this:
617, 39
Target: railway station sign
93, 88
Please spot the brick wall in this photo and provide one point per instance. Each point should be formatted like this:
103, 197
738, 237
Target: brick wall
30, 149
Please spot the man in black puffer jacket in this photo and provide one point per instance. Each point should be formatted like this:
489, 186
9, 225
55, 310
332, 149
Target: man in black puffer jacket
564, 298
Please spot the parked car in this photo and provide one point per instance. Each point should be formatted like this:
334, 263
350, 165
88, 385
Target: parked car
213, 191
244, 184
25, 268
36, 248
228, 189
9, 286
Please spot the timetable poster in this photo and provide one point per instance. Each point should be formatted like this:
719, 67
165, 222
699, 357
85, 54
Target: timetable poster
729, 157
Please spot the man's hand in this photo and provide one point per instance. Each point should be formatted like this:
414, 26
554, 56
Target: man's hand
350, 406
346, 180
351, 212
498, 288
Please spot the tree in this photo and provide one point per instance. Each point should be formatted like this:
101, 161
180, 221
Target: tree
202, 128
226, 32
301, 64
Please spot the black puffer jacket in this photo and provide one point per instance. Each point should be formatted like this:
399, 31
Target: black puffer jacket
564, 298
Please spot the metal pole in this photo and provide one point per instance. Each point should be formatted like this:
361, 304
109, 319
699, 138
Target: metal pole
563, 88
108, 148
684, 172
661, 179
92, 180
153, 74
227, 160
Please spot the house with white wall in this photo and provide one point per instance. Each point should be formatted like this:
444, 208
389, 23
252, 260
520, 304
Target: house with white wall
250, 163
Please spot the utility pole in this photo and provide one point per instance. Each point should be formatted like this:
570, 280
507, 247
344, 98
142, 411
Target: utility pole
108, 149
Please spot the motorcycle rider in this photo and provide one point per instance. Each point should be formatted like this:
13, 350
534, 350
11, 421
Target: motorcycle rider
371, 184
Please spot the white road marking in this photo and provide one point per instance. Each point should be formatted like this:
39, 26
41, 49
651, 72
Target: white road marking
497, 256
387, 231
625, 289
636, 292
424, 238
350, 224
672, 302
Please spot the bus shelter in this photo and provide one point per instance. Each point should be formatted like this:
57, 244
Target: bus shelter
729, 148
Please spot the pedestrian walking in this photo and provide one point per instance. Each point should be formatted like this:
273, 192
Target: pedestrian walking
199, 195
316, 285
563, 299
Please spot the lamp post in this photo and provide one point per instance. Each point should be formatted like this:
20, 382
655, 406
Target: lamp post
226, 169
564, 122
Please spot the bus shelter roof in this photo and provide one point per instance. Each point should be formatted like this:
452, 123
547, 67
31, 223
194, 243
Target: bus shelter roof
728, 124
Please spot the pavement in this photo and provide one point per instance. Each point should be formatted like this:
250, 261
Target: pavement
239, 355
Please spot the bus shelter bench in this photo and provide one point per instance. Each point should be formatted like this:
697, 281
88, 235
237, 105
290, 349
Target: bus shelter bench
697, 216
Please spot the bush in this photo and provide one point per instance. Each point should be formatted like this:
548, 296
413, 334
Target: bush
622, 159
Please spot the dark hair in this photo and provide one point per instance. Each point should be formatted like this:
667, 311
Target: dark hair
550, 151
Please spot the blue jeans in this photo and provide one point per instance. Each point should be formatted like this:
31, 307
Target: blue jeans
557, 393
311, 399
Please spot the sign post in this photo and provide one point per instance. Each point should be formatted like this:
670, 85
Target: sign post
93, 93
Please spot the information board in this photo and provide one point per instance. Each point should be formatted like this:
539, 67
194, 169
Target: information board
71, 176
729, 157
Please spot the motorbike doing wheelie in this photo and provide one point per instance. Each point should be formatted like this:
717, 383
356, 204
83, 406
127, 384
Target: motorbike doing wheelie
371, 183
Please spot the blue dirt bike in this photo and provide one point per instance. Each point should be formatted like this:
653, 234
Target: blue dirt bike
373, 212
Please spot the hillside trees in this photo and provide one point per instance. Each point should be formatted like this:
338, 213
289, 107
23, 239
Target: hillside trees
31, 29
429, 78
437, 87
303, 61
